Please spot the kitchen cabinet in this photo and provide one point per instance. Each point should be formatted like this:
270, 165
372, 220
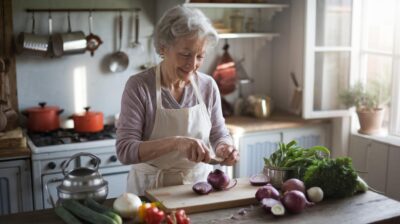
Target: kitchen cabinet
15, 186
377, 163
253, 147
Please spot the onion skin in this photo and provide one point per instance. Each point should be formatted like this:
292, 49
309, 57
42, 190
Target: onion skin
202, 188
293, 184
218, 179
295, 201
267, 191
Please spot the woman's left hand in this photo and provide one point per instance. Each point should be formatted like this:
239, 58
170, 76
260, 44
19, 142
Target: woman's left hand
228, 153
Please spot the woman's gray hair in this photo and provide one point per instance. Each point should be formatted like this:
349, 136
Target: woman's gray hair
182, 21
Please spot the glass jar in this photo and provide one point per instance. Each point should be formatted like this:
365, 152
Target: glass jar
237, 20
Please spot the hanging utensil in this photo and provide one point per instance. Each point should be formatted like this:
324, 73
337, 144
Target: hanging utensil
136, 44
119, 60
93, 41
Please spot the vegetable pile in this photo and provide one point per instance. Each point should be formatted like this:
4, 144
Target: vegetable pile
293, 199
335, 177
127, 205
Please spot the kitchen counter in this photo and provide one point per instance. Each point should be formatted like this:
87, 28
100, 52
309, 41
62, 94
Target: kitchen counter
13, 145
362, 208
278, 120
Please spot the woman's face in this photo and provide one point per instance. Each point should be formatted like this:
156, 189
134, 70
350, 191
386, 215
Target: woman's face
185, 57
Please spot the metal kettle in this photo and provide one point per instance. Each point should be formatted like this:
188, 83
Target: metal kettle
81, 182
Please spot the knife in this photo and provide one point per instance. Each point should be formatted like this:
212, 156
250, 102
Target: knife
216, 160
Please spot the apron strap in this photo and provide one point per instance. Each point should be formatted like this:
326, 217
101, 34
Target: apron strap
158, 87
196, 90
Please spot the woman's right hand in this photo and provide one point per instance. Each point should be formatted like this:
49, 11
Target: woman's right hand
195, 149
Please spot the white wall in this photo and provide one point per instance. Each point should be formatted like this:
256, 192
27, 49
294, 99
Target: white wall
52, 79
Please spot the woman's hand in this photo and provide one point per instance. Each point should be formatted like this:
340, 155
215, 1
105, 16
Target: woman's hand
228, 153
195, 149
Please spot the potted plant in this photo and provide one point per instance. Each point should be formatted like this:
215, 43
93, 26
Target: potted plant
368, 103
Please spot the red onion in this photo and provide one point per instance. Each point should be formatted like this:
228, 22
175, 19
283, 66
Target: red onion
202, 188
259, 180
295, 201
273, 206
293, 184
267, 191
218, 179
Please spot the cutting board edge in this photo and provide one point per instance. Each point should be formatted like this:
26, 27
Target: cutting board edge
215, 206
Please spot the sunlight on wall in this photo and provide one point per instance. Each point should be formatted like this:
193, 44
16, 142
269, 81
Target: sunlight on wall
80, 88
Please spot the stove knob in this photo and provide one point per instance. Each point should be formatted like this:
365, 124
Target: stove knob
51, 165
93, 162
113, 158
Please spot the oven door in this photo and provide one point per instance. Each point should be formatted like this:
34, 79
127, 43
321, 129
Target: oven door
115, 176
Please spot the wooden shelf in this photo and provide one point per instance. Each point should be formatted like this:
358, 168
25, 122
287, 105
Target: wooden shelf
268, 36
237, 5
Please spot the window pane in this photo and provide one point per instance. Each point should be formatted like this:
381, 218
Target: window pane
332, 72
379, 73
333, 22
379, 25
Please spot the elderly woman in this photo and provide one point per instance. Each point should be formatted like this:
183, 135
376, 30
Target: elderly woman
171, 117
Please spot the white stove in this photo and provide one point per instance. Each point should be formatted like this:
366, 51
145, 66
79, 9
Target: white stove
51, 150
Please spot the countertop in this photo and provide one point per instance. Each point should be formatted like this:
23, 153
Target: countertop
369, 207
13, 145
278, 120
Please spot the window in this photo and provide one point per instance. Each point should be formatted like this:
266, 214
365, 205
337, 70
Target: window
348, 41
380, 55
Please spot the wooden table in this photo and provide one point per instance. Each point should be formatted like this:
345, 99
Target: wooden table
362, 208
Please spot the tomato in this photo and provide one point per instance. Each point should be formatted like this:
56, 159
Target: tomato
181, 217
154, 215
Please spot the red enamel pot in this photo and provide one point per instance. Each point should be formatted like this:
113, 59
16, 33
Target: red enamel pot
88, 121
43, 118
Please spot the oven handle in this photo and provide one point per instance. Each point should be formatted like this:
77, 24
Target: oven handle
53, 180
77, 155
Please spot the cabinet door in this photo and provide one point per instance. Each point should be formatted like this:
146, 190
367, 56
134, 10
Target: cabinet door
370, 159
15, 187
9, 190
253, 148
330, 53
377, 158
393, 177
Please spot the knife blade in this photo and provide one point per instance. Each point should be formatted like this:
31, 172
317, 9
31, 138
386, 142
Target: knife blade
216, 160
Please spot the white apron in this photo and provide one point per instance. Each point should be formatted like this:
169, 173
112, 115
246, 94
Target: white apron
173, 168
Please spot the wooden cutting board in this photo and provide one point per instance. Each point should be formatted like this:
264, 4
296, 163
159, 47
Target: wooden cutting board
182, 196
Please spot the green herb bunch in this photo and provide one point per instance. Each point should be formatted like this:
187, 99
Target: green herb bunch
293, 157
336, 177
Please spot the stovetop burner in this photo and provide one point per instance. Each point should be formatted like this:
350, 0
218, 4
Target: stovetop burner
68, 136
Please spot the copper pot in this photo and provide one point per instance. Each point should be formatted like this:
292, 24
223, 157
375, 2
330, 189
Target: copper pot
88, 121
43, 118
